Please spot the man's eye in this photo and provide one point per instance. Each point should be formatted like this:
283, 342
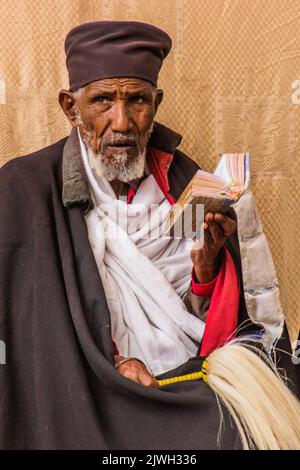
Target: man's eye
101, 99
138, 99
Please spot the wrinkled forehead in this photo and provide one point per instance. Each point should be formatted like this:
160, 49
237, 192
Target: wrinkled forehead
126, 84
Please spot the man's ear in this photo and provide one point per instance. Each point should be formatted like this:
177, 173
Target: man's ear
68, 104
158, 98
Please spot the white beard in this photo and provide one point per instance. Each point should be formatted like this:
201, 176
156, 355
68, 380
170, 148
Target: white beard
125, 169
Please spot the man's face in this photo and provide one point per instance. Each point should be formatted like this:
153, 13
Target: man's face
115, 119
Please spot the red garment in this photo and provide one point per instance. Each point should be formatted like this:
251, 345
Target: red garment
130, 194
222, 315
203, 290
116, 351
159, 163
224, 304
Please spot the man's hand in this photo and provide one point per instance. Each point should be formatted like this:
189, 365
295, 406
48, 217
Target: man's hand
136, 371
217, 227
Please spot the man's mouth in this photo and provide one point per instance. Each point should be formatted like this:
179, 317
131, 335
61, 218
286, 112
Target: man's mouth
122, 144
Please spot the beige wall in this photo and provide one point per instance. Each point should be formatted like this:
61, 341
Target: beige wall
227, 82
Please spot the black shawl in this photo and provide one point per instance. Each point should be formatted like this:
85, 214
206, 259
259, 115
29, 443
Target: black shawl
58, 388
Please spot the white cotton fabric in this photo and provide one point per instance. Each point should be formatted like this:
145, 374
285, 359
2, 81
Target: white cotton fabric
144, 277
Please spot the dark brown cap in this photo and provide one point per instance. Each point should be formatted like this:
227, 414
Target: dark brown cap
111, 49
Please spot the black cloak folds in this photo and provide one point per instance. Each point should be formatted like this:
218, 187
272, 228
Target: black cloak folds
58, 388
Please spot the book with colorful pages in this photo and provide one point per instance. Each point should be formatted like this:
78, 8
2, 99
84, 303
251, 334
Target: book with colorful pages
215, 192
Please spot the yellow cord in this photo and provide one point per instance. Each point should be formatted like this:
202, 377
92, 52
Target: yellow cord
202, 374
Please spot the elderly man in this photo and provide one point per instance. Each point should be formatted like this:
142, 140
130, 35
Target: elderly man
79, 301
113, 106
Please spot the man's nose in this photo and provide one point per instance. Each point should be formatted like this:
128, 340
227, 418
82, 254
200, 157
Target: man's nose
120, 120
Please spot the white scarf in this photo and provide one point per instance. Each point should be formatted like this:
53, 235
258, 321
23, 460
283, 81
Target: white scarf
144, 278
